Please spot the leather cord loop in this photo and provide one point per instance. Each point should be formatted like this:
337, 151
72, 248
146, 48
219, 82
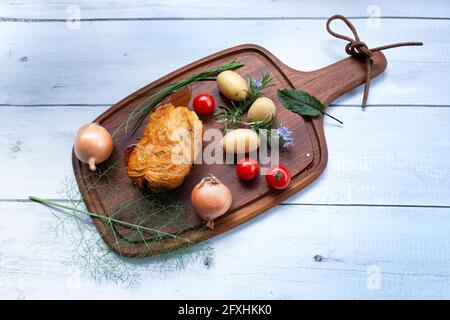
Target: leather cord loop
358, 49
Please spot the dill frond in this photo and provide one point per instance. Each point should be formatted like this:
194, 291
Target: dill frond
91, 254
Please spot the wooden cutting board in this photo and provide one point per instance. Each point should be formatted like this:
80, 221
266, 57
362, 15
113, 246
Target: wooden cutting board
306, 160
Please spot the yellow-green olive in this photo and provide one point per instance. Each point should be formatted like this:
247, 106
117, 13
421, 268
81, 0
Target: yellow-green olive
240, 141
262, 109
232, 85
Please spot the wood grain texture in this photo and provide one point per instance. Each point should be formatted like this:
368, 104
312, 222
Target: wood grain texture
126, 55
367, 152
306, 160
409, 246
381, 157
138, 9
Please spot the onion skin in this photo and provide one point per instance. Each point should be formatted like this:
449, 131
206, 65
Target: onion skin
93, 144
211, 199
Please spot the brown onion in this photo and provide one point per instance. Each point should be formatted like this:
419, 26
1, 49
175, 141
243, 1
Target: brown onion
93, 144
211, 199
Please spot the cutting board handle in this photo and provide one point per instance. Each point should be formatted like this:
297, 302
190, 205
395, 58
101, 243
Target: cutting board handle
340, 77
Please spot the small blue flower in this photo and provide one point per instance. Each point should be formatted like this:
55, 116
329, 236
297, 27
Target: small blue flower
257, 83
285, 133
286, 137
288, 144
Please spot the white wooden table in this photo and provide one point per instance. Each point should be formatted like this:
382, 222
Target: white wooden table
374, 225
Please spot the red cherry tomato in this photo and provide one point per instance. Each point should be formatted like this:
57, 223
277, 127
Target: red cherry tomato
278, 177
203, 104
247, 169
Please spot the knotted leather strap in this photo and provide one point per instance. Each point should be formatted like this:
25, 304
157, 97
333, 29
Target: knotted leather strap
358, 49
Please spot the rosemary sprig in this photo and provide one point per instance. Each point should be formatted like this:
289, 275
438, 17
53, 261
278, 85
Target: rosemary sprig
262, 128
143, 109
260, 125
231, 116
255, 89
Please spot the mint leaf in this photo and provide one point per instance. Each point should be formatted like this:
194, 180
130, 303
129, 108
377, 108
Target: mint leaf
301, 102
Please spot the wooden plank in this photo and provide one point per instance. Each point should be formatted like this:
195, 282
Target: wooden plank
325, 253
46, 63
383, 155
106, 9
398, 155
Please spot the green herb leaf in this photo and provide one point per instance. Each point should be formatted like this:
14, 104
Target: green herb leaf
231, 116
301, 102
140, 113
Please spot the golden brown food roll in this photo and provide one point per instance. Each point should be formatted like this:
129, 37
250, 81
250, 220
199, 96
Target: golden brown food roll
165, 153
